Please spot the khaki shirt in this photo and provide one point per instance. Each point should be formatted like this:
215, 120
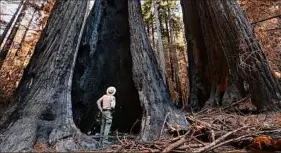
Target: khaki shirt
108, 102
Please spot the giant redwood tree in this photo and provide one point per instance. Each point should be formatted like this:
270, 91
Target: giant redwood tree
110, 55
223, 48
43, 110
64, 78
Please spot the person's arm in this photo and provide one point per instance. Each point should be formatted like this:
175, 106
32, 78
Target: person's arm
99, 103
112, 102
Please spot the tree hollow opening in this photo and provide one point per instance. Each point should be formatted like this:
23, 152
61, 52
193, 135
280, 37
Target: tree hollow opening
106, 61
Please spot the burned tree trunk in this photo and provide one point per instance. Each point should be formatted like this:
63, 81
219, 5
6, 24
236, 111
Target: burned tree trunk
197, 59
43, 110
104, 60
226, 31
242, 51
153, 93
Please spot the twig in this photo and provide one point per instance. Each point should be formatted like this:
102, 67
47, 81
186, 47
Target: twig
203, 149
272, 17
119, 138
191, 146
202, 143
134, 126
177, 138
175, 145
164, 124
237, 102
212, 135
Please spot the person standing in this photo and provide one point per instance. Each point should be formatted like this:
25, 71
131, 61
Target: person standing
106, 104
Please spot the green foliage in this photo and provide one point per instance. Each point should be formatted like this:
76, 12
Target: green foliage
166, 8
146, 12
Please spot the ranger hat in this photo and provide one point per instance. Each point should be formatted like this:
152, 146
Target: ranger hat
111, 91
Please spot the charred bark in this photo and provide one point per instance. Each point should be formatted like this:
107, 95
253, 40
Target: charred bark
242, 51
227, 35
43, 111
199, 83
153, 93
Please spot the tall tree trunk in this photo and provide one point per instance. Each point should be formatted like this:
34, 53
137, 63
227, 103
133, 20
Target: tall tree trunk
196, 51
241, 49
160, 50
226, 31
25, 33
11, 24
174, 58
44, 110
153, 93
8, 43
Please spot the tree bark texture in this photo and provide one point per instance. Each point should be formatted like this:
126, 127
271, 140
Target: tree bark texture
242, 51
153, 93
44, 110
197, 58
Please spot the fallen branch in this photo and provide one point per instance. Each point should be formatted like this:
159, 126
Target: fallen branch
240, 138
272, 17
204, 149
164, 124
191, 146
237, 102
175, 145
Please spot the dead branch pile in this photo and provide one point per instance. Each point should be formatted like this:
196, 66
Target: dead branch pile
215, 129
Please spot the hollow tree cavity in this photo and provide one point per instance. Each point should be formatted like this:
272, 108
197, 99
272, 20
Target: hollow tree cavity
104, 60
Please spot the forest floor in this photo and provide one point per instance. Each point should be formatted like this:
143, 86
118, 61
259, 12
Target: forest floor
236, 128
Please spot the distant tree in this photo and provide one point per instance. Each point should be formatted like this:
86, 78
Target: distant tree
160, 49
10, 31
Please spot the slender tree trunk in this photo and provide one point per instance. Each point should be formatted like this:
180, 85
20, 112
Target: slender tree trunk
11, 24
167, 28
25, 33
8, 43
174, 58
153, 93
44, 110
160, 50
